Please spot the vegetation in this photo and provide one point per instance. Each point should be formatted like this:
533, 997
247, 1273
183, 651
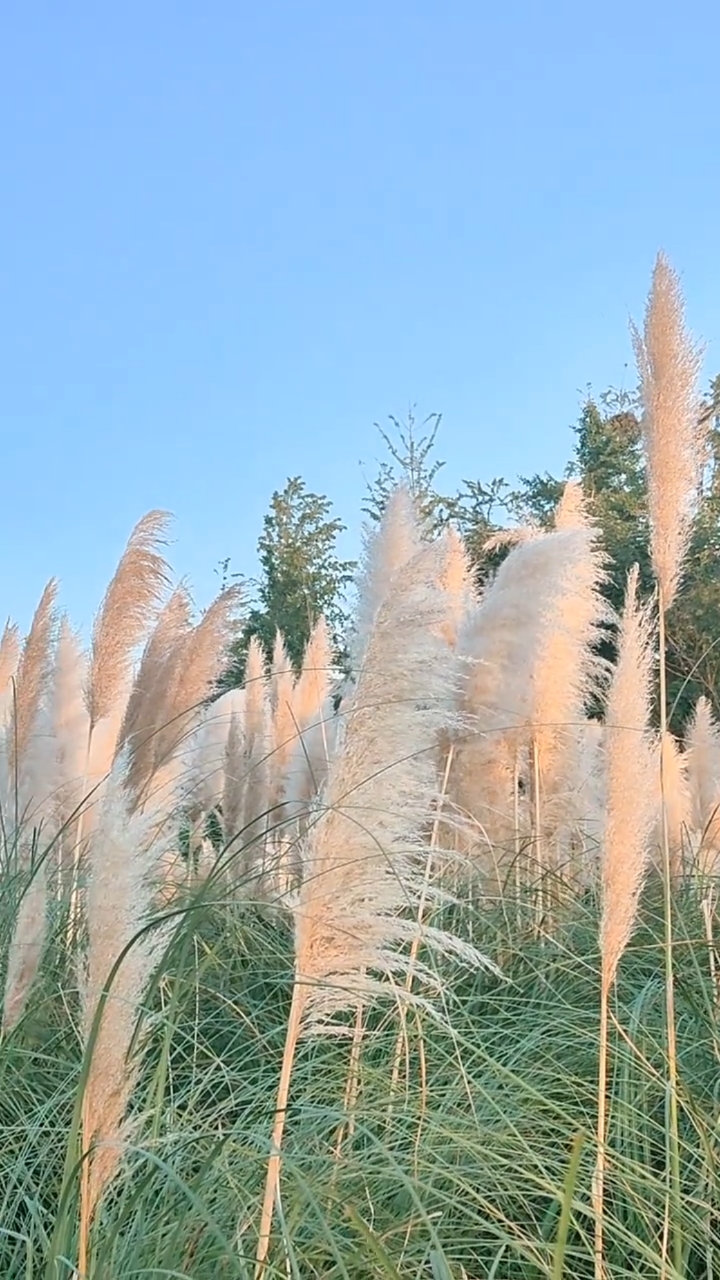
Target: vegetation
406, 969
301, 578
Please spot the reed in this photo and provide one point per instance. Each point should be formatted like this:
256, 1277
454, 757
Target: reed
675, 439
630, 753
125, 854
123, 622
363, 858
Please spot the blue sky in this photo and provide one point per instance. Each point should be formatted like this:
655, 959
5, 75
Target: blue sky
234, 235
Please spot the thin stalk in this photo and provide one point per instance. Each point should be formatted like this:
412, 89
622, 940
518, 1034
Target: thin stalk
672, 1154
598, 1187
537, 822
351, 1085
85, 1214
708, 909
516, 825
272, 1180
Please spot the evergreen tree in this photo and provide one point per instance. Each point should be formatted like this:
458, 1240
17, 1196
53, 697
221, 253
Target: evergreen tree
301, 576
411, 463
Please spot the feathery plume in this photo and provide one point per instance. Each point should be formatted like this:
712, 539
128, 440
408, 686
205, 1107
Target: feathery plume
630, 796
250, 771
143, 713
305, 763
124, 856
234, 779
457, 582
313, 684
71, 726
209, 743
702, 743
387, 549
283, 725
571, 511
528, 667
590, 803
364, 855
26, 947
678, 801
197, 663
673, 431
32, 678
675, 435
126, 614
511, 537
309, 763
566, 672
630, 758
9, 658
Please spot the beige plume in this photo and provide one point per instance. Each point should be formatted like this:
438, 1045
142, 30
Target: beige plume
703, 761
630, 781
673, 431
9, 658
125, 854
387, 549
365, 852
126, 615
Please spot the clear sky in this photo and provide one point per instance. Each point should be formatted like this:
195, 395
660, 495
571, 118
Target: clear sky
233, 235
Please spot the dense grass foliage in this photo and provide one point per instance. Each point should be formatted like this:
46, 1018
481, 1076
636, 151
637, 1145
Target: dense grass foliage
479, 1164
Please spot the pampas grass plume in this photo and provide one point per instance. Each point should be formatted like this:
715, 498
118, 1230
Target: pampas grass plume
156, 673
26, 947
364, 854
387, 549
248, 765
571, 511
457, 583
630, 778
9, 658
32, 678
677, 798
283, 722
703, 764
673, 432
70, 727
124, 857
201, 659
126, 614
313, 684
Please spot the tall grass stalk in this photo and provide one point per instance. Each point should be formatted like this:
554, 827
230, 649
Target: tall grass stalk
675, 439
361, 856
124, 619
672, 1133
625, 853
125, 851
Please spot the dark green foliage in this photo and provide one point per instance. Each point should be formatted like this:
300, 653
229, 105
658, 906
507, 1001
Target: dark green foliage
301, 575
